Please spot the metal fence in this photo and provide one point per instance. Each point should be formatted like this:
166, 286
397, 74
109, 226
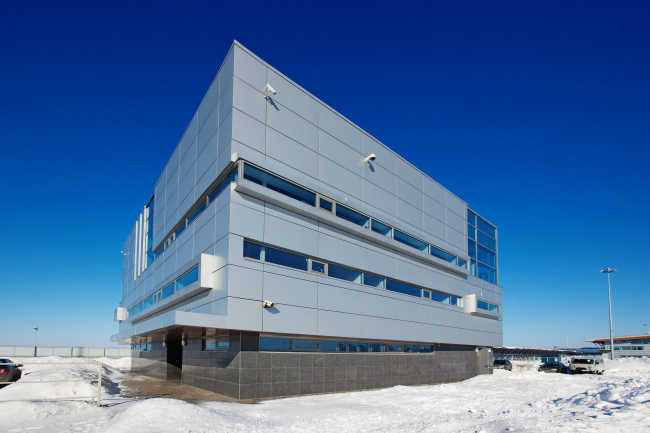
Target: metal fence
66, 352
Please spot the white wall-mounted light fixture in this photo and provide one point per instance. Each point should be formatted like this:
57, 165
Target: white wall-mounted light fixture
268, 89
268, 304
370, 157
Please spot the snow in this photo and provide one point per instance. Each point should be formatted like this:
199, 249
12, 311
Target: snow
521, 400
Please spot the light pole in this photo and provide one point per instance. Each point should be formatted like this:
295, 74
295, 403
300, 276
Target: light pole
645, 329
611, 332
35, 331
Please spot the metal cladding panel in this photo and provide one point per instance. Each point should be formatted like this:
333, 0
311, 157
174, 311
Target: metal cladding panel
287, 318
246, 222
293, 126
244, 314
339, 324
435, 228
410, 195
286, 290
340, 153
410, 311
339, 251
409, 272
379, 198
411, 216
408, 173
379, 328
293, 98
380, 176
338, 177
376, 305
289, 235
249, 100
335, 298
435, 315
249, 69
339, 128
290, 152
245, 283
376, 262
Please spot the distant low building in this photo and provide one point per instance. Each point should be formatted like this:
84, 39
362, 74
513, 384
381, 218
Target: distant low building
634, 346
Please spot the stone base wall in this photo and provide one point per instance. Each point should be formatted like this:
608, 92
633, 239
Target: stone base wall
254, 374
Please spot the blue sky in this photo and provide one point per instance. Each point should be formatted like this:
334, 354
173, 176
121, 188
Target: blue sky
540, 108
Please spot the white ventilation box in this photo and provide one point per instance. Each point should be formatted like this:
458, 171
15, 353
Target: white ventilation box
121, 314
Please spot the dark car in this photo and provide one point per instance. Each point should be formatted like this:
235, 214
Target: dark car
502, 363
553, 367
10, 371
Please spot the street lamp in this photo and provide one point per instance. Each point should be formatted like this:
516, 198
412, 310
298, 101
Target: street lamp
611, 332
35, 331
645, 329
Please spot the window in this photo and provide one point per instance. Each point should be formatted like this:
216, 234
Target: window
425, 349
253, 251
471, 232
333, 346
326, 205
406, 289
394, 348
494, 308
410, 348
278, 257
440, 297
377, 347
371, 280
196, 213
277, 184
486, 228
426, 294
482, 305
318, 267
352, 216
462, 263
486, 256
471, 248
232, 178
471, 217
148, 302
275, 343
472, 269
220, 343
443, 255
486, 273
354, 346
187, 279
410, 241
483, 239
382, 228
344, 273
306, 345
168, 290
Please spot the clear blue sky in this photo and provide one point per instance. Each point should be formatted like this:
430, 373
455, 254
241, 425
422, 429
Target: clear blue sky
540, 108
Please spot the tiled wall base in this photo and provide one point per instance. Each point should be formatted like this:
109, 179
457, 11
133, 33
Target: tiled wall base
246, 375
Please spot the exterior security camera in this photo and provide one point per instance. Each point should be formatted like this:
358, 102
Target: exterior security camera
371, 157
268, 89
268, 304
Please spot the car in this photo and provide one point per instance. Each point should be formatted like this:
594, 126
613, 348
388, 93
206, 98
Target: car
502, 363
553, 367
10, 371
587, 365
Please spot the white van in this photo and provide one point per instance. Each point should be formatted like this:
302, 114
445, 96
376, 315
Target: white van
587, 365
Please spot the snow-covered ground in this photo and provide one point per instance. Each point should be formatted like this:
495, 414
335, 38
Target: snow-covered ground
522, 400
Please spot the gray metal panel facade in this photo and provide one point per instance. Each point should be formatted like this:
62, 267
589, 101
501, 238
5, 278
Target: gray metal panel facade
296, 136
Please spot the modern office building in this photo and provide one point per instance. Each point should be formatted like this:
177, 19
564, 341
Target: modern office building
285, 251
633, 346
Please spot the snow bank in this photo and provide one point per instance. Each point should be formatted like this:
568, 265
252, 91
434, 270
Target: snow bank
79, 378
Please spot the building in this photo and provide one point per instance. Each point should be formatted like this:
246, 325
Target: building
634, 346
285, 251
